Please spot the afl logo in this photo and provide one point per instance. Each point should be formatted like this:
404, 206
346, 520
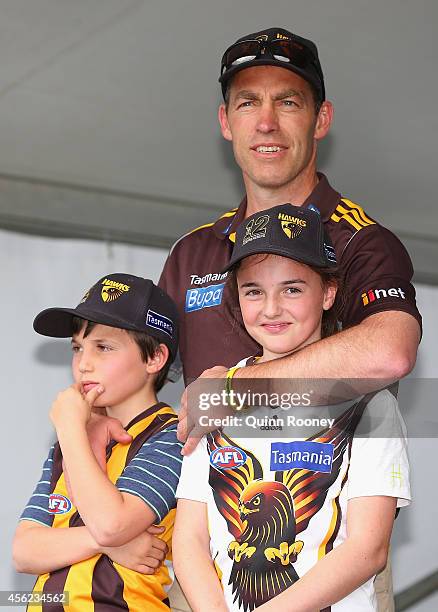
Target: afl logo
227, 457
58, 504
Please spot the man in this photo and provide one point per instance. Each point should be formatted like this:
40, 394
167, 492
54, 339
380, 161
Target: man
274, 113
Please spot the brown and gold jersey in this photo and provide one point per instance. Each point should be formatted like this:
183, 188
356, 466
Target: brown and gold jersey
376, 268
148, 467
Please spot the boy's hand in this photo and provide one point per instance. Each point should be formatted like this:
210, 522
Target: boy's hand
71, 406
143, 554
101, 430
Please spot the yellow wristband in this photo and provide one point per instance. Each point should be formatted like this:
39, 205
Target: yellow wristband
229, 378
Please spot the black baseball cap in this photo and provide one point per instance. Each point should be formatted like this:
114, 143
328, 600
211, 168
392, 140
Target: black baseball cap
286, 230
118, 300
274, 47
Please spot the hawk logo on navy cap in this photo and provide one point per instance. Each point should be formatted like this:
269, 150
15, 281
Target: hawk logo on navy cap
256, 228
112, 290
291, 226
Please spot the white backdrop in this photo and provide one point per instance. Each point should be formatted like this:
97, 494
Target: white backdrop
40, 272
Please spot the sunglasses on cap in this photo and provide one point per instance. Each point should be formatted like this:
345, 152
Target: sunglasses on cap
282, 50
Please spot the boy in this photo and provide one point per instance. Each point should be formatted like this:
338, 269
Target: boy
124, 338
281, 518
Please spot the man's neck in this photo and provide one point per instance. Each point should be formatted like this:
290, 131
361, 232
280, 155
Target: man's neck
296, 193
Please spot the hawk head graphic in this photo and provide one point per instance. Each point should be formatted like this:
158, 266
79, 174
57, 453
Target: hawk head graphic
262, 500
291, 229
109, 294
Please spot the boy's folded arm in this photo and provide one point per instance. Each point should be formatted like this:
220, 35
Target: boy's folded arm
61, 547
119, 516
112, 517
128, 519
64, 547
362, 555
192, 560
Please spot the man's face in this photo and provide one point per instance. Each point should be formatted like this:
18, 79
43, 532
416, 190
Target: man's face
272, 123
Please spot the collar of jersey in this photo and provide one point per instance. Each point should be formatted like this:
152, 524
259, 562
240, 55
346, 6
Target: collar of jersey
324, 197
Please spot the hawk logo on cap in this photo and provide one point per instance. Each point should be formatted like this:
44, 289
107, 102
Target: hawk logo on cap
291, 226
262, 37
256, 228
112, 290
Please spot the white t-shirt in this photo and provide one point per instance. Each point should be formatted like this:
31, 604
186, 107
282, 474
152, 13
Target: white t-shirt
275, 506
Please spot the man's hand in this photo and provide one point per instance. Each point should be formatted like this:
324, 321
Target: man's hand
71, 407
185, 425
143, 554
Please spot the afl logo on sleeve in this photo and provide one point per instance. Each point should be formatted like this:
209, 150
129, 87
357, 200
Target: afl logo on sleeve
58, 504
227, 457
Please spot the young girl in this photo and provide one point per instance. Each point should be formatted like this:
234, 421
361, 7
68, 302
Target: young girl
294, 522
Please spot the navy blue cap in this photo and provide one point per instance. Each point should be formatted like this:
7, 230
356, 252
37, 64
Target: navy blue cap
274, 47
286, 230
118, 300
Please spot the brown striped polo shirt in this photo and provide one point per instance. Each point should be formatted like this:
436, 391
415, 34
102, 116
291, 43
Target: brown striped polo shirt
376, 269
98, 584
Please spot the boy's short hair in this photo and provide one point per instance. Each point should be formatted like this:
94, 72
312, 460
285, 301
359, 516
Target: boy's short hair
126, 302
147, 344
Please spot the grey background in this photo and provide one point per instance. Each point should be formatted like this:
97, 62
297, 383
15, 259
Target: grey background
108, 113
